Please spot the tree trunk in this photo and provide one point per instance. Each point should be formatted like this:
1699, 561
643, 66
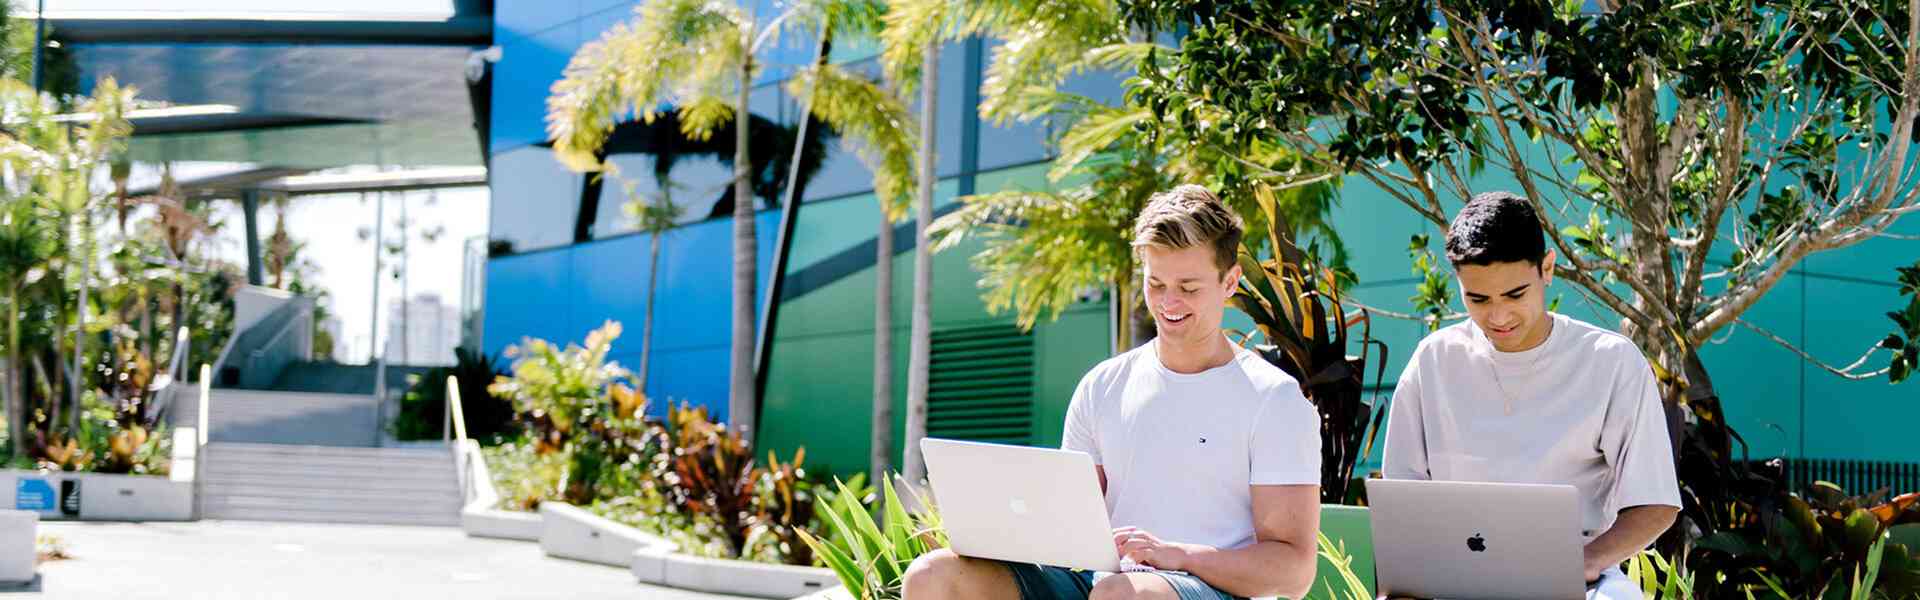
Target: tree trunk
881, 453
16, 393
922, 351
78, 379
146, 326
646, 329
741, 401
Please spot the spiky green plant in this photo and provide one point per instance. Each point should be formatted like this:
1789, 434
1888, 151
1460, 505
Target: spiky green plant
870, 558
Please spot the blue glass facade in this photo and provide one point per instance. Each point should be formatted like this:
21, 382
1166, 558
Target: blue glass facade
556, 286
545, 280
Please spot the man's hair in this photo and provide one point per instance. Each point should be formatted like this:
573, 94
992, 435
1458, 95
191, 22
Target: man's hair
1189, 216
1496, 227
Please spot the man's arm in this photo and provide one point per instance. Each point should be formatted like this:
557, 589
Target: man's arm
1636, 528
1405, 453
1281, 562
1635, 445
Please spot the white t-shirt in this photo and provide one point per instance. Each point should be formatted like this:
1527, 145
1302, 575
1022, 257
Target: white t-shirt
1582, 408
1180, 450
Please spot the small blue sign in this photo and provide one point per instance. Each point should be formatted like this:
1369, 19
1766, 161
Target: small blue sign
34, 494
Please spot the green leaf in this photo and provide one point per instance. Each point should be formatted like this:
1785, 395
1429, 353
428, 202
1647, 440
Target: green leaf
1862, 531
898, 524
859, 541
843, 566
1863, 589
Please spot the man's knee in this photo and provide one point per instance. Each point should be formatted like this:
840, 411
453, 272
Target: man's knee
941, 575
1131, 587
923, 578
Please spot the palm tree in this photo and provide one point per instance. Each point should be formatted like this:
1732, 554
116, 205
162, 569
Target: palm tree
58, 163
26, 245
1046, 248
78, 155
698, 56
875, 123
656, 219
911, 53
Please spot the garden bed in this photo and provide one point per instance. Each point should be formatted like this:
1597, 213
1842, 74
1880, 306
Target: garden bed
576, 533
67, 496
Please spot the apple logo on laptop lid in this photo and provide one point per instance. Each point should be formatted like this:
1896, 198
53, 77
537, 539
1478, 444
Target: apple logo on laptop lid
1477, 543
1018, 506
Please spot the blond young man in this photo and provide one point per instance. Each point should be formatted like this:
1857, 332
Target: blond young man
1517, 394
1208, 456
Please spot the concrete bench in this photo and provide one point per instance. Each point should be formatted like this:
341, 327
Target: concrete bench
17, 531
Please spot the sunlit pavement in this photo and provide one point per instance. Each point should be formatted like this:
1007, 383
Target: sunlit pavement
232, 559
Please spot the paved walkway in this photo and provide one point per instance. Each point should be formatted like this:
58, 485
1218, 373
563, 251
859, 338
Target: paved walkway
232, 559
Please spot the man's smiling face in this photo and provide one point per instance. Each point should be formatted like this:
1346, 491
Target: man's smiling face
1186, 292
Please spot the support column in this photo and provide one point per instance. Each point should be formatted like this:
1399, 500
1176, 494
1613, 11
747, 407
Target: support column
250, 204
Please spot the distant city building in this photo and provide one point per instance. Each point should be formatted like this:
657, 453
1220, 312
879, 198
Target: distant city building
432, 330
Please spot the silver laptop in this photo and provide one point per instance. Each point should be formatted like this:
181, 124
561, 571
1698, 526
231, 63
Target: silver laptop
1499, 541
1021, 504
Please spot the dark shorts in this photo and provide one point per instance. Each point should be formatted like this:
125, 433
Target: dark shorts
1054, 583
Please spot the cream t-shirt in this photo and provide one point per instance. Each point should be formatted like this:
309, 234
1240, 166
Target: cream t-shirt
1181, 450
1582, 408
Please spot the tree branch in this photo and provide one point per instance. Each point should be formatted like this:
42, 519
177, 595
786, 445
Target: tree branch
1842, 227
1451, 316
1534, 195
1846, 371
1600, 292
1310, 149
1732, 148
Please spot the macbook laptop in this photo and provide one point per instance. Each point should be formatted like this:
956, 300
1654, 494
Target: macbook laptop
1021, 504
1499, 541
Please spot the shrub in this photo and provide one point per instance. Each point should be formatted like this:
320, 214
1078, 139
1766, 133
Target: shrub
423, 408
1810, 544
587, 441
870, 557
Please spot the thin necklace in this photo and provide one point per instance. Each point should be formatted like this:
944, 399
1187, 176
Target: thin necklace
1494, 367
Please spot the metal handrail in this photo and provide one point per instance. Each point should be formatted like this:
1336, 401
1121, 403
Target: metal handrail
182, 341
281, 312
162, 389
200, 439
300, 320
457, 414
277, 336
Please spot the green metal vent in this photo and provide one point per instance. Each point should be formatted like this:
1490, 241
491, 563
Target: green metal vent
981, 385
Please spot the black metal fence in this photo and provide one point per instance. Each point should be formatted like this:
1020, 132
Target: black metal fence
1857, 477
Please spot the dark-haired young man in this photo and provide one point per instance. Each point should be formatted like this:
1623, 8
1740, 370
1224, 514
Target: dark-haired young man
1517, 394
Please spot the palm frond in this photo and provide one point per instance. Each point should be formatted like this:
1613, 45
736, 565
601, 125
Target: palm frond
106, 133
1043, 249
1043, 52
699, 118
1095, 133
1124, 55
844, 18
1034, 103
631, 67
911, 26
874, 123
991, 16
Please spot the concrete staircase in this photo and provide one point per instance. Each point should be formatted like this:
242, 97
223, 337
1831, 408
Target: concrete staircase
334, 378
261, 417
290, 439
278, 482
